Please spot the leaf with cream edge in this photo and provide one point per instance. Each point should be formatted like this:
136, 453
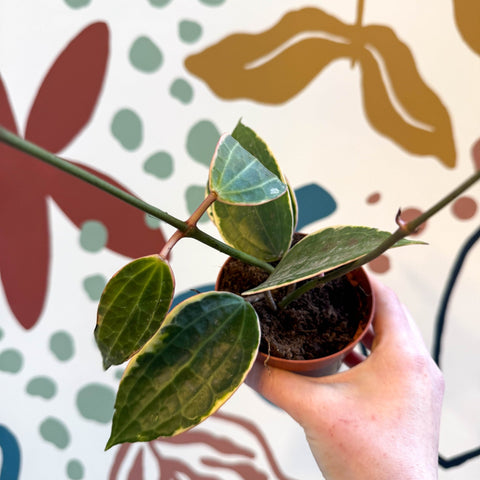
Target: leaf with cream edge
264, 231
323, 251
132, 307
237, 177
193, 364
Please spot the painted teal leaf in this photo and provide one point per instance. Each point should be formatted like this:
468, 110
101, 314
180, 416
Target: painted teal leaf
314, 203
264, 231
237, 177
193, 364
132, 308
323, 251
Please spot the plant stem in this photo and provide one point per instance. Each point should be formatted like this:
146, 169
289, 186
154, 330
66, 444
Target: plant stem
191, 222
25, 146
403, 230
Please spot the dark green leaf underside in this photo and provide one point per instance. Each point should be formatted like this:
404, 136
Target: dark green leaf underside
323, 251
132, 308
198, 358
251, 142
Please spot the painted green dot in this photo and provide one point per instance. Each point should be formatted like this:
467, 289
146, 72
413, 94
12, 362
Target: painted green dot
119, 373
152, 222
212, 3
43, 387
127, 128
145, 55
95, 402
93, 236
54, 431
1, 333
159, 3
62, 346
194, 196
11, 361
181, 90
189, 31
202, 140
159, 164
94, 285
77, 3
75, 470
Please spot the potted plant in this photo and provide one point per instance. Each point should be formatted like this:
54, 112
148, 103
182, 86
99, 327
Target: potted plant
186, 362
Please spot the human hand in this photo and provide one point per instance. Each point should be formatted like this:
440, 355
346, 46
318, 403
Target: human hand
378, 420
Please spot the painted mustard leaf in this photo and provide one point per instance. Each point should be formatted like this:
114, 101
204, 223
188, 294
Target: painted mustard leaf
467, 13
323, 251
193, 364
132, 308
270, 67
265, 230
397, 101
238, 177
274, 65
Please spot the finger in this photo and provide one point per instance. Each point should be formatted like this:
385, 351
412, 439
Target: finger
287, 390
414, 327
390, 323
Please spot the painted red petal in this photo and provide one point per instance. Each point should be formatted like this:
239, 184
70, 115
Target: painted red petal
245, 470
257, 433
7, 120
128, 233
118, 461
223, 445
68, 95
136, 472
24, 247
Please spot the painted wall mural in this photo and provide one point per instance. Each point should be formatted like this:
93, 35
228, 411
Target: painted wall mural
371, 106
252, 65
62, 107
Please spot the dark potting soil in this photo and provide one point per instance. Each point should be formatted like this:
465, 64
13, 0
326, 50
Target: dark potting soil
321, 322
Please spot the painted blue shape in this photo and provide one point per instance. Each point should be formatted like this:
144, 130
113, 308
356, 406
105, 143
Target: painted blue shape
190, 293
314, 203
10, 466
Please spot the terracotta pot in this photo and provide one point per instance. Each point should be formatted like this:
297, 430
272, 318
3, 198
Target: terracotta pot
330, 364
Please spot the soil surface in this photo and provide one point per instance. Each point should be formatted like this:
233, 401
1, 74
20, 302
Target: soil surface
321, 322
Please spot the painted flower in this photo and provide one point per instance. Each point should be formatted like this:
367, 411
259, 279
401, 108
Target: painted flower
222, 454
62, 107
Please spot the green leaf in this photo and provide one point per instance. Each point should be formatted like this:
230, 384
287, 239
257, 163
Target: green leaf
323, 251
194, 363
264, 231
251, 142
237, 177
132, 308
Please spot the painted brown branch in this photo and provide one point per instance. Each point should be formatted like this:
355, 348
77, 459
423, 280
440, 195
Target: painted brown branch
358, 22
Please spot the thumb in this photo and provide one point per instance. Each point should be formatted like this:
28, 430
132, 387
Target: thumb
290, 391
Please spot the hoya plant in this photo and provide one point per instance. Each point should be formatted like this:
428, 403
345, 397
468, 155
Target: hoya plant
185, 362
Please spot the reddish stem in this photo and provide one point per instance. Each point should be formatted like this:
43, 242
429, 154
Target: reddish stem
191, 224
